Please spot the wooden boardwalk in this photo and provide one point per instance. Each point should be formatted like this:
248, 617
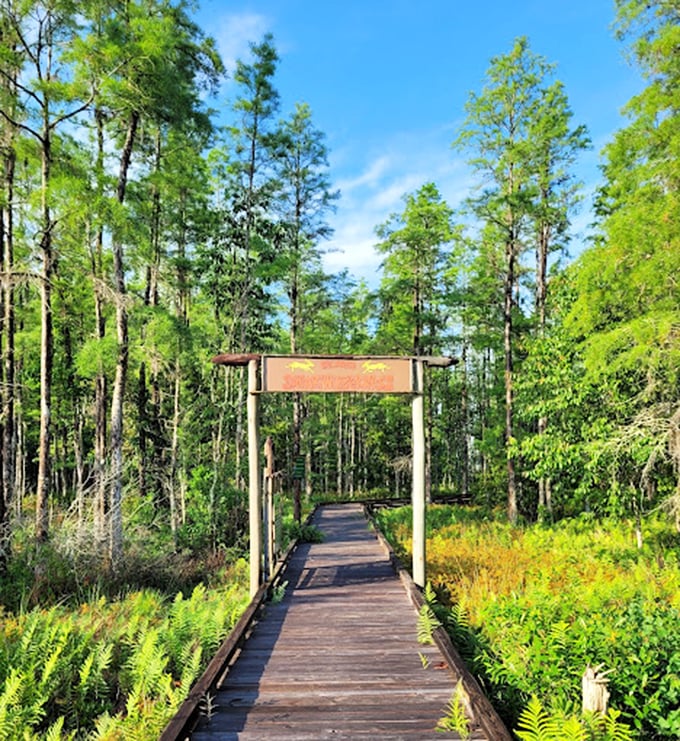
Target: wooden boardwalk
338, 656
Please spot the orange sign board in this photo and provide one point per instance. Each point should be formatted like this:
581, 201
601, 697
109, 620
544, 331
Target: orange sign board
336, 374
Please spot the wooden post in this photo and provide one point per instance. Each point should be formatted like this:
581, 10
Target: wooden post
595, 691
269, 511
418, 491
254, 481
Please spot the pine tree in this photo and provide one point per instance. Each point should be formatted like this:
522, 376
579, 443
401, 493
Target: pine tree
517, 131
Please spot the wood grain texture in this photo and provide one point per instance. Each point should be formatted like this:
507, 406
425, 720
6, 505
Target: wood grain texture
338, 656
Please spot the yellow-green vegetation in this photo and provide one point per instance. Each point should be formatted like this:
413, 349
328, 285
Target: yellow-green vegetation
530, 607
110, 669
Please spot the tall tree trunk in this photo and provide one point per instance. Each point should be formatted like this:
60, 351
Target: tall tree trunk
175, 481
149, 404
20, 467
8, 344
7, 207
142, 433
99, 503
297, 481
174, 451
46, 343
544, 488
429, 423
510, 256
294, 316
79, 455
116, 540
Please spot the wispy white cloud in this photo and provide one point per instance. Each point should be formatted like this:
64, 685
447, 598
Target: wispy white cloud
371, 175
398, 166
234, 34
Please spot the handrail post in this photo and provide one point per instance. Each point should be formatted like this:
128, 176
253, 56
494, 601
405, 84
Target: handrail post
254, 481
419, 472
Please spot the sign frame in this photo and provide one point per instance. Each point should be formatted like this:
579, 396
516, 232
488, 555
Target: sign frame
337, 374
410, 372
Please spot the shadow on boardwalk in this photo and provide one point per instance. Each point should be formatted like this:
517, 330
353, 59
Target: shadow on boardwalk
337, 657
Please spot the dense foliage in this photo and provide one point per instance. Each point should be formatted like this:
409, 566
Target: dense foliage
139, 238
110, 669
530, 608
142, 232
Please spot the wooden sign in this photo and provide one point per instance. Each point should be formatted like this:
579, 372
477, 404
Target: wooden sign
374, 375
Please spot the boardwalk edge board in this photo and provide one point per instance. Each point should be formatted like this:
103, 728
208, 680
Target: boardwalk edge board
184, 721
480, 707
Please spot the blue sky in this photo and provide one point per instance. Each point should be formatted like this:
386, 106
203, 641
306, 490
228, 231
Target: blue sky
387, 82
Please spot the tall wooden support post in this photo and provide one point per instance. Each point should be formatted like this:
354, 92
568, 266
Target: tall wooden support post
269, 509
418, 492
254, 480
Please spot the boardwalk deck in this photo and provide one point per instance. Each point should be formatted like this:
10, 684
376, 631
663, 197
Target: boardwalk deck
338, 656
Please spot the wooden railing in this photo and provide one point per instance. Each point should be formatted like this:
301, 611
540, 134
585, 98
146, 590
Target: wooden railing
182, 724
479, 705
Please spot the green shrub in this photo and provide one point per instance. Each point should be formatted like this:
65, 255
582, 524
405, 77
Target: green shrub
531, 607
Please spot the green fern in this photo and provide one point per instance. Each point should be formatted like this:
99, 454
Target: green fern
427, 624
278, 593
536, 724
429, 594
428, 621
49, 673
608, 727
572, 729
92, 681
192, 667
559, 633
56, 732
615, 730
456, 718
105, 727
147, 667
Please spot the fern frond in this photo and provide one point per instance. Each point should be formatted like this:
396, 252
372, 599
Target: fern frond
456, 718
56, 732
106, 728
427, 624
192, 668
616, 730
429, 594
572, 729
536, 724
559, 633
52, 661
11, 693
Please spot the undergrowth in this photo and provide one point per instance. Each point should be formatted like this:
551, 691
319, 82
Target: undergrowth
529, 608
110, 669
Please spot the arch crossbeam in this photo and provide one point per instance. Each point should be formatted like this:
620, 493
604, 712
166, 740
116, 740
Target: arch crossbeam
335, 374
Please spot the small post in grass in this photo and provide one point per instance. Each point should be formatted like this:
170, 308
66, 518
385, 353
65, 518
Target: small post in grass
595, 692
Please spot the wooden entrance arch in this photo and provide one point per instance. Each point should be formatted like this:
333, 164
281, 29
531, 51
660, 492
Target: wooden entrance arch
335, 374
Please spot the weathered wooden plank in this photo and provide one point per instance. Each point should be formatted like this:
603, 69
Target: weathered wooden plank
234, 359
186, 715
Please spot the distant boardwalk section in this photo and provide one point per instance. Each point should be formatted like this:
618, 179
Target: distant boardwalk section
338, 656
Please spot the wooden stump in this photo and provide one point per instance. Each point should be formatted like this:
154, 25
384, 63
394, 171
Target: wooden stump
595, 692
